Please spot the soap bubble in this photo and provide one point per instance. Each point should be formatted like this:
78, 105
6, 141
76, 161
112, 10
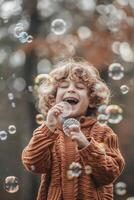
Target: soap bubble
102, 109
67, 108
23, 36
39, 119
18, 29
75, 169
116, 71
11, 184
29, 38
114, 113
58, 26
120, 188
124, 89
10, 96
102, 119
3, 135
12, 129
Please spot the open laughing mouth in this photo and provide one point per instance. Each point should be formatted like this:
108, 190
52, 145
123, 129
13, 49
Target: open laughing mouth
71, 100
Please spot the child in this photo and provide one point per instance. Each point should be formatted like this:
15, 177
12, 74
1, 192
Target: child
83, 161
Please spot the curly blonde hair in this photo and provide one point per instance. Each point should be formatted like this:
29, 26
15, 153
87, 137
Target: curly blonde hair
98, 91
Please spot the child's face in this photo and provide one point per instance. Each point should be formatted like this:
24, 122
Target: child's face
76, 94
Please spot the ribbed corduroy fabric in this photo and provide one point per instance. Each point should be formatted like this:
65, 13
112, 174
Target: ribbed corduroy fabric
50, 154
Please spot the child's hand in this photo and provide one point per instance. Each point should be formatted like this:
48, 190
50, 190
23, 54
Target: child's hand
52, 119
74, 132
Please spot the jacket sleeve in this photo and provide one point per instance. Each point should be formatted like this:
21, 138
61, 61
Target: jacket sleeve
36, 156
105, 161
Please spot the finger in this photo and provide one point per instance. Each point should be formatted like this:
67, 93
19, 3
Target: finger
56, 111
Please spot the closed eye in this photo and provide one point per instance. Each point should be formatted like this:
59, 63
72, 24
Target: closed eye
64, 85
80, 85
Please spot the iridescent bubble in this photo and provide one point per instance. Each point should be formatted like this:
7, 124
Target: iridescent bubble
116, 47
114, 113
11, 184
12, 129
23, 37
116, 71
39, 119
29, 38
3, 135
58, 26
102, 119
67, 109
18, 29
88, 169
124, 89
10, 96
102, 109
75, 169
120, 188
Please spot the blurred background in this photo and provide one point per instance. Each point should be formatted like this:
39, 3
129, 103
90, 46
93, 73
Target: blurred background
35, 34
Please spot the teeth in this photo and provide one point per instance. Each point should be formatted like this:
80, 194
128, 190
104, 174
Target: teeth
71, 99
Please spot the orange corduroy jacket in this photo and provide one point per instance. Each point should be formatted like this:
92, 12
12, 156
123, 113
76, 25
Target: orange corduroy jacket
50, 154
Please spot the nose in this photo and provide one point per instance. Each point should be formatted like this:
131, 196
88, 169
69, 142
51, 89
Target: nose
71, 88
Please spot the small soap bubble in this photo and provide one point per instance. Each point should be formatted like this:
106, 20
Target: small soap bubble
10, 96
13, 104
18, 29
124, 89
67, 108
12, 129
3, 135
116, 71
75, 169
39, 119
88, 169
102, 119
120, 188
23, 37
102, 109
11, 184
29, 38
58, 26
114, 113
